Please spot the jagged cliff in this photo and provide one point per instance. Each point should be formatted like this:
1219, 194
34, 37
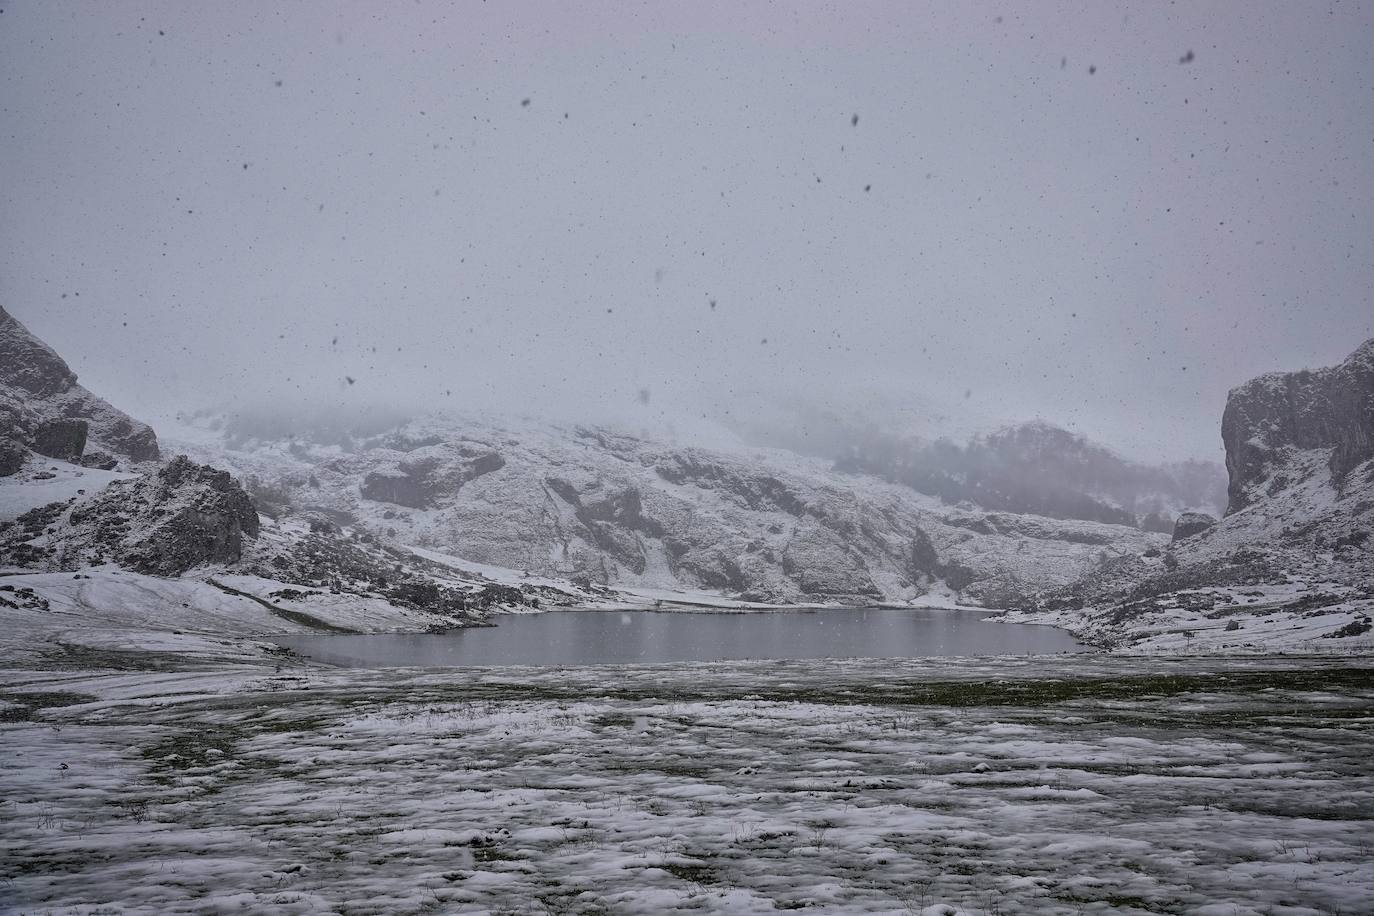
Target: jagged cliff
1271, 418
1297, 543
43, 409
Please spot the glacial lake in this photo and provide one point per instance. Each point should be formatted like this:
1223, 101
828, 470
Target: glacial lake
649, 637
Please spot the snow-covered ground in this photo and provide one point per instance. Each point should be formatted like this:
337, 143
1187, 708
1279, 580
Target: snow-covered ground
1297, 616
936, 786
50, 481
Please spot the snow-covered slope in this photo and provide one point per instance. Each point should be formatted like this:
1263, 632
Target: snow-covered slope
194, 525
596, 505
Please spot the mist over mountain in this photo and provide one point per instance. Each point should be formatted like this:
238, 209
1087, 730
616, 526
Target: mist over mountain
1030, 467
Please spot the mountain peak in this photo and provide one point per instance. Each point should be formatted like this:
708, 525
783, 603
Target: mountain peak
44, 409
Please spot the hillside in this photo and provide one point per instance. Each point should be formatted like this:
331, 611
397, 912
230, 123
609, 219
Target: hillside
597, 505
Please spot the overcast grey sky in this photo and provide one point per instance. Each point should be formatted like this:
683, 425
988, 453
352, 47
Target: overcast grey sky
1043, 209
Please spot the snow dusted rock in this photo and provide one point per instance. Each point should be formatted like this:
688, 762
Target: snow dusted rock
1191, 523
40, 399
12, 457
164, 523
1270, 417
64, 439
191, 514
427, 472
99, 460
193, 519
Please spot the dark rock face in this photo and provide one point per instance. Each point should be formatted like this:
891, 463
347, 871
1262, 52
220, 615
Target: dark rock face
12, 457
37, 388
64, 439
198, 514
397, 487
126, 436
926, 562
29, 365
613, 520
419, 479
1279, 412
758, 491
1191, 523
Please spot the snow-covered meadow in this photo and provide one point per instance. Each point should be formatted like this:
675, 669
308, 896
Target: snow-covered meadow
1016, 785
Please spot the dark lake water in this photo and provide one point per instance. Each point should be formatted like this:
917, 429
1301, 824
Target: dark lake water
647, 637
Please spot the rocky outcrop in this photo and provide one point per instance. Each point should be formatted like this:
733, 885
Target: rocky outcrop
197, 514
41, 404
398, 487
12, 457
100, 460
427, 474
1191, 523
1269, 417
164, 523
64, 439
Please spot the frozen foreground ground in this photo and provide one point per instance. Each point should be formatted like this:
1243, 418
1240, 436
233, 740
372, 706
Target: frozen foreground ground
1091, 784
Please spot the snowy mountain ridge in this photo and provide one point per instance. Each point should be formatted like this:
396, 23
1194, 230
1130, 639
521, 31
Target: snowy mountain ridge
597, 505
44, 410
417, 511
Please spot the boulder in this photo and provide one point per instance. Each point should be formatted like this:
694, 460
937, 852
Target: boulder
12, 457
63, 439
1191, 523
100, 460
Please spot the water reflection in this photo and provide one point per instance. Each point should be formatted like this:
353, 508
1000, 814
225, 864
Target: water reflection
640, 637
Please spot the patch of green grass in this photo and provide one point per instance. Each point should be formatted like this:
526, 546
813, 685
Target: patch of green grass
697, 874
67, 657
493, 853
1023, 693
189, 750
613, 720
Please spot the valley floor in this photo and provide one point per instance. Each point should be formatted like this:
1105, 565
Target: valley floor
1091, 784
